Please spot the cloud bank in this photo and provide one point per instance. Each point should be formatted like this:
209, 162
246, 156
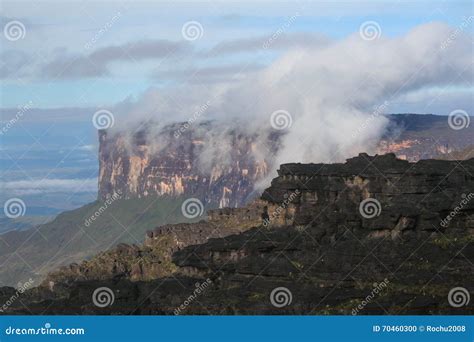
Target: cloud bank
329, 96
32, 187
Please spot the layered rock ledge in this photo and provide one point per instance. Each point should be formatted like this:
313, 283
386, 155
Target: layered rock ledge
375, 235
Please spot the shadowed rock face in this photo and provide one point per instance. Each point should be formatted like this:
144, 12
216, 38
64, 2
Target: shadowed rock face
308, 239
404, 196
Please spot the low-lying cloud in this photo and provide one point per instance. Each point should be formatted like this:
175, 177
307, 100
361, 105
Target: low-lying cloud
33, 187
332, 92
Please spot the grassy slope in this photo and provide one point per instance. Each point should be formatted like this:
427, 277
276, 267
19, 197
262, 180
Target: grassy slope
22, 223
66, 239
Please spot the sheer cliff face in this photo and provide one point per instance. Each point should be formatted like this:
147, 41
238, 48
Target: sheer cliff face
221, 171
220, 166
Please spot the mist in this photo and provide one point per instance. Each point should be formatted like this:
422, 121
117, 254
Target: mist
326, 100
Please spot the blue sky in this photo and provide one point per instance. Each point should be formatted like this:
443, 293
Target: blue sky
56, 29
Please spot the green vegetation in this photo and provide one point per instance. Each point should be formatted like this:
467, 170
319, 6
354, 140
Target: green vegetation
448, 241
68, 238
22, 223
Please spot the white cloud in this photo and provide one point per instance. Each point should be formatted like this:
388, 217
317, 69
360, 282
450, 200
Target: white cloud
87, 148
330, 92
30, 187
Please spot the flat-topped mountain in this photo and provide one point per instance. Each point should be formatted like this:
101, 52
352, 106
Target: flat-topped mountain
217, 165
153, 173
221, 165
373, 235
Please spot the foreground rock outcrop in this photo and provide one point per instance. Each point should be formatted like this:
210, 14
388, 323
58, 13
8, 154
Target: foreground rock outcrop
375, 235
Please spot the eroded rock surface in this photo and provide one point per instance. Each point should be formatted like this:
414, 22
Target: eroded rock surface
308, 236
219, 170
220, 165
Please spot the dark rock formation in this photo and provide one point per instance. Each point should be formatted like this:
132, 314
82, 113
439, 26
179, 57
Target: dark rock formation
375, 235
410, 196
153, 259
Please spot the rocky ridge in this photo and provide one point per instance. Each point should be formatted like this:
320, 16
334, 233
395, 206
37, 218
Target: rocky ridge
326, 235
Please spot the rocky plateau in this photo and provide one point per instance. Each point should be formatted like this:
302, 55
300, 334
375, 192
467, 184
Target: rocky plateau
320, 240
